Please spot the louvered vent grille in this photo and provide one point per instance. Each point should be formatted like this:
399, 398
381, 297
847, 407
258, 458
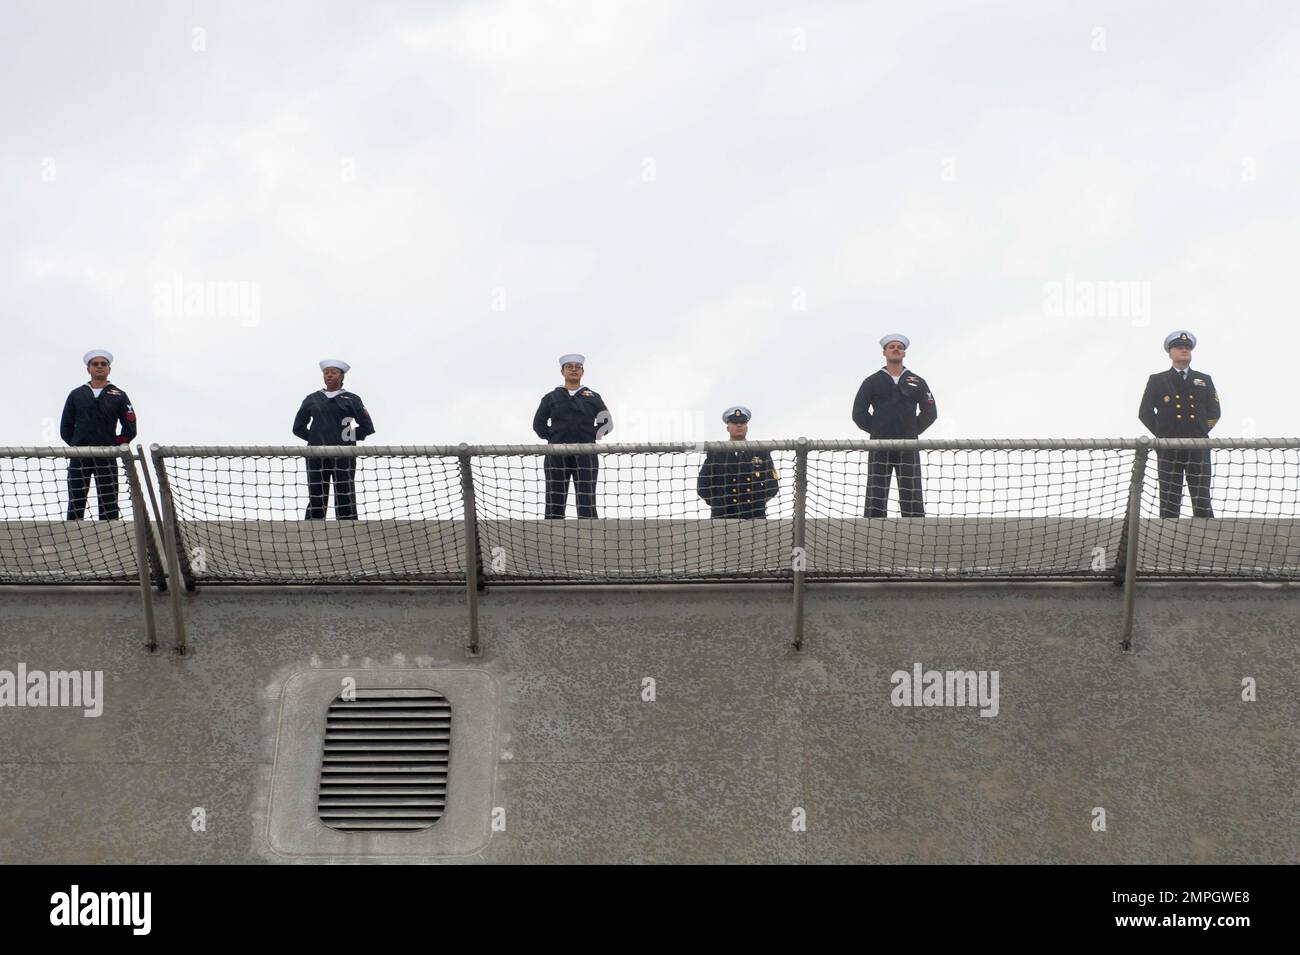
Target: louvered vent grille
385, 761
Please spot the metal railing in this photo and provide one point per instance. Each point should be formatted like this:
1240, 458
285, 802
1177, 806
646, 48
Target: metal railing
472, 516
38, 547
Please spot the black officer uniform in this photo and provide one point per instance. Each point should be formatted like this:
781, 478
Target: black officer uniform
1182, 405
886, 410
326, 421
91, 422
563, 418
738, 483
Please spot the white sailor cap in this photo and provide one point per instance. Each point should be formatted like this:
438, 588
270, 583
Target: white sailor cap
895, 337
97, 353
736, 414
335, 363
573, 357
1182, 338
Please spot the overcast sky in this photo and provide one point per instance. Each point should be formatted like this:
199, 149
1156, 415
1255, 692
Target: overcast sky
717, 203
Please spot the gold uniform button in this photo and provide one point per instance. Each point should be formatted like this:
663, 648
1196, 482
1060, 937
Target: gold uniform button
1177, 406
1193, 417
1178, 416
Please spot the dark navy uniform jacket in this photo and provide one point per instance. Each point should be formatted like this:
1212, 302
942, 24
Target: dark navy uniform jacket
1173, 408
320, 419
92, 422
568, 419
887, 410
738, 483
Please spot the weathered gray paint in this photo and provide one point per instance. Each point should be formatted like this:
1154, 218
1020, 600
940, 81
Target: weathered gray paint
647, 549
743, 729
37, 552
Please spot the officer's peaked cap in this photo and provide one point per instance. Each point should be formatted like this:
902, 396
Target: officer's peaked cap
736, 414
1181, 338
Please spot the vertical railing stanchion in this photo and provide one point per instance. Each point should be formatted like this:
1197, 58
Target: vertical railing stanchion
799, 546
140, 521
471, 546
172, 538
168, 507
1131, 551
156, 558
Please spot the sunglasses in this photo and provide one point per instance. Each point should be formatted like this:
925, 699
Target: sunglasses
99, 364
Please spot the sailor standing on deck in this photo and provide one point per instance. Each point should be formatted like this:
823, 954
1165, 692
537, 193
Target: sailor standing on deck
1181, 403
328, 418
571, 414
895, 402
738, 483
90, 419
